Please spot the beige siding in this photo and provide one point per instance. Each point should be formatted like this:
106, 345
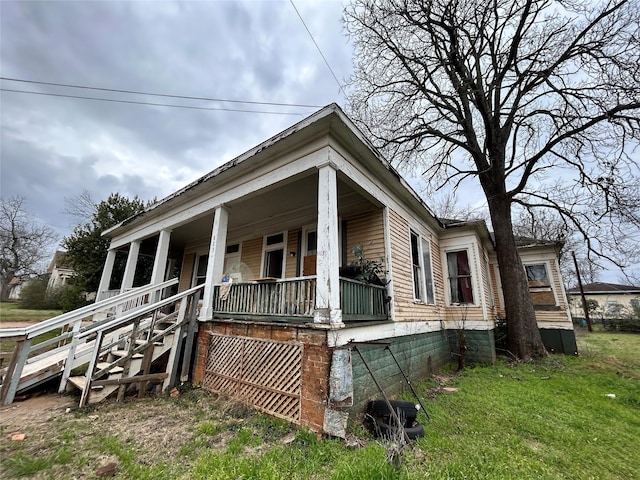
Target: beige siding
366, 230
406, 309
252, 256
187, 271
292, 246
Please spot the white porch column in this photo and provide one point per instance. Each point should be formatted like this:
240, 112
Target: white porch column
328, 256
215, 264
130, 268
107, 271
160, 261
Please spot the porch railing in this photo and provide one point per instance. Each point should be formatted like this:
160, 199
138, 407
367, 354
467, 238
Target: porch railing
289, 298
62, 329
362, 301
294, 299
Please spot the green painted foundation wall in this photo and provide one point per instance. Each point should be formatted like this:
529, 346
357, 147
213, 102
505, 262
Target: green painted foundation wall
418, 355
480, 346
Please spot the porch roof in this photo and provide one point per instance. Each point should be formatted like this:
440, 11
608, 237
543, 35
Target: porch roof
329, 120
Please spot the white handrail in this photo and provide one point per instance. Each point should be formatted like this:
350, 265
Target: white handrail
80, 313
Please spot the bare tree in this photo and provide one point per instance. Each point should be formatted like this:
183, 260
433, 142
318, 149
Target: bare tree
81, 207
25, 243
538, 101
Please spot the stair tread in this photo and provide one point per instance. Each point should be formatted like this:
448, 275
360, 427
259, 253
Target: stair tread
122, 353
81, 382
103, 365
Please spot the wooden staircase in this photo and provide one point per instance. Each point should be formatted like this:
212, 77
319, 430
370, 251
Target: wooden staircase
128, 349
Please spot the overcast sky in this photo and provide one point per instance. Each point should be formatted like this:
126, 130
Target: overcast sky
54, 148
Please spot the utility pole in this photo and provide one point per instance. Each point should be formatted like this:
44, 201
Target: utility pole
584, 300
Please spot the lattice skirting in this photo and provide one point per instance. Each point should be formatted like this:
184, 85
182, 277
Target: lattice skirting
265, 373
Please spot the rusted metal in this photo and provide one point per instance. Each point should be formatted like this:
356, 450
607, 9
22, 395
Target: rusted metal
406, 379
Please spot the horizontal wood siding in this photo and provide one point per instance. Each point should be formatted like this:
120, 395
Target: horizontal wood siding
292, 246
406, 309
366, 230
252, 256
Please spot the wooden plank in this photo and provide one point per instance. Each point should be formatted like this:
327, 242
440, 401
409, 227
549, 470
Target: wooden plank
127, 380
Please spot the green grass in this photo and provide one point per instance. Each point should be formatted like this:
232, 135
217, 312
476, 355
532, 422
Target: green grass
552, 419
10, 312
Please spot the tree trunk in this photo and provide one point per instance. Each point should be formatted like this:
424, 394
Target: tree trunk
523, 336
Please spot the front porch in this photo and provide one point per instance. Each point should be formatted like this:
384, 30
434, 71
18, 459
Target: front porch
294, 299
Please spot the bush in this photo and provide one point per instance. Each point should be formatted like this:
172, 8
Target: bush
630, 324
34, 295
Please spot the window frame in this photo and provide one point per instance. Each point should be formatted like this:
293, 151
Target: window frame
471, 276
266, 248
195, 276
425, 288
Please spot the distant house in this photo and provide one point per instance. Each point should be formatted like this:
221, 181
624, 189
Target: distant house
278, 237
16, 285
59, 270
614, 301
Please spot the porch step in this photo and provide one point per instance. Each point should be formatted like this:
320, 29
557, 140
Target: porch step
114, 370
81, 381
123, 353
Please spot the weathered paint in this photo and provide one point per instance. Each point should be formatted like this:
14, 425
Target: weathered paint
215, 265
341, 379
418, 356
328, 258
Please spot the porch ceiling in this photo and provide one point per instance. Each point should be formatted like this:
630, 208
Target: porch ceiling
282, 207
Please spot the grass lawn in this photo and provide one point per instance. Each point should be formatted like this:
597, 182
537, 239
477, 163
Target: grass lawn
10, 312
561, 418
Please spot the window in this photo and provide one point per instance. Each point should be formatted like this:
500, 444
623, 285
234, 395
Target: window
421, 266
537, 275
540, 290
459, 277
273, 261
635, 303
200, 274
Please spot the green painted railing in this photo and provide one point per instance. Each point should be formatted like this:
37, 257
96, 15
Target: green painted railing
294, 299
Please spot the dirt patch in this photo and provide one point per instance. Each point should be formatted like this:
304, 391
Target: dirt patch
34, 411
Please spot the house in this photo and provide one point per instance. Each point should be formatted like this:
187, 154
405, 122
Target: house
59, 270
16, 285
285, 322
612, 301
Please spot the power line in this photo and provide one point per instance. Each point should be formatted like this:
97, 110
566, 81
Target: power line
160, 94
320, 51
148, 103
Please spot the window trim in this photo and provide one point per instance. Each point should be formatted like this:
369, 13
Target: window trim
472, 277
195, 276
273, 247
423, 284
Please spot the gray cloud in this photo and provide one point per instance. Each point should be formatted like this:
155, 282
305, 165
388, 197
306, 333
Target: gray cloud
54, 148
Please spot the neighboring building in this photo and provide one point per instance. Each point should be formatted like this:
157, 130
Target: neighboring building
280, 224
614, 301
59, 270
16, 285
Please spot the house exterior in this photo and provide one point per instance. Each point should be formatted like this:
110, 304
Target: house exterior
285, 323
614, 301
59, 270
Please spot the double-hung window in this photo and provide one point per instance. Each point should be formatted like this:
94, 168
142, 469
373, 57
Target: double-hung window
421, 266
540, 286
460, 282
